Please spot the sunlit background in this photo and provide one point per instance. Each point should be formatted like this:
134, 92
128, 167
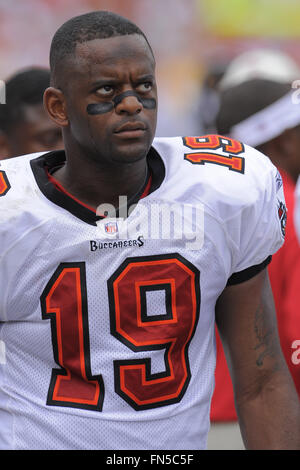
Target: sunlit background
192, 40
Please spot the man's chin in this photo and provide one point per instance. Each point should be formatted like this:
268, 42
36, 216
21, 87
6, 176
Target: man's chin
130, 153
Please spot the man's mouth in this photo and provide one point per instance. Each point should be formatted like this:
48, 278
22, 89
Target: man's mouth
131, 130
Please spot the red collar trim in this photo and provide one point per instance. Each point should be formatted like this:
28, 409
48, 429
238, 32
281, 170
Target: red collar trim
62, 189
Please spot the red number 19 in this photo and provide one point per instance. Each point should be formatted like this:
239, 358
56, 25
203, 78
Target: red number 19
64, 302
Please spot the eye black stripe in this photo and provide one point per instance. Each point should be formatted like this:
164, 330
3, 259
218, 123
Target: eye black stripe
102, 108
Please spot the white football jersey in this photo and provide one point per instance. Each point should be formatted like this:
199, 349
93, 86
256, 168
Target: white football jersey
107, 324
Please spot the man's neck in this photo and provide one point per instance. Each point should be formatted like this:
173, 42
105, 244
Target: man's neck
95, 184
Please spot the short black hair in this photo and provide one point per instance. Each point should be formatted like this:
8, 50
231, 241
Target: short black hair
80, 29
242, 101
24, 88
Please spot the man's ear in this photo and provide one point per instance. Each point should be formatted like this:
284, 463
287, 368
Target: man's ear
55, 105
4, 146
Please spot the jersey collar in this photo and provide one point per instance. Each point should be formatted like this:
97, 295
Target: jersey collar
44, 164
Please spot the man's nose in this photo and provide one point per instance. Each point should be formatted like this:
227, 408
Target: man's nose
129, 104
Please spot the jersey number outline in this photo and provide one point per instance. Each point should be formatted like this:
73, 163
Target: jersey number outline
4, 183
64, 302
233, 161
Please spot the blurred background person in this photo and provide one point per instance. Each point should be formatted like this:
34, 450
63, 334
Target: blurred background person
262, 113
25, 126
207, 105
265, 63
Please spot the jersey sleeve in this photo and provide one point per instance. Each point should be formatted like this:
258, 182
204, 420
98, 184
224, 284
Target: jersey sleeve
15, 199
258, 230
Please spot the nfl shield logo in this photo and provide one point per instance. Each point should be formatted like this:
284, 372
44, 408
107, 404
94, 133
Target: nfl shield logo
111, 227
282, 214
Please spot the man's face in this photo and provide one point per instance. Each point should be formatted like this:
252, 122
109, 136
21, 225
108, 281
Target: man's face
118, 130
36, 133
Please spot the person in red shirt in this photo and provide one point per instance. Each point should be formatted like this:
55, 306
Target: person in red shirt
263, 114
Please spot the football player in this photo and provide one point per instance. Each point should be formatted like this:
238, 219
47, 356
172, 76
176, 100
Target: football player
25, 126
108, 306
